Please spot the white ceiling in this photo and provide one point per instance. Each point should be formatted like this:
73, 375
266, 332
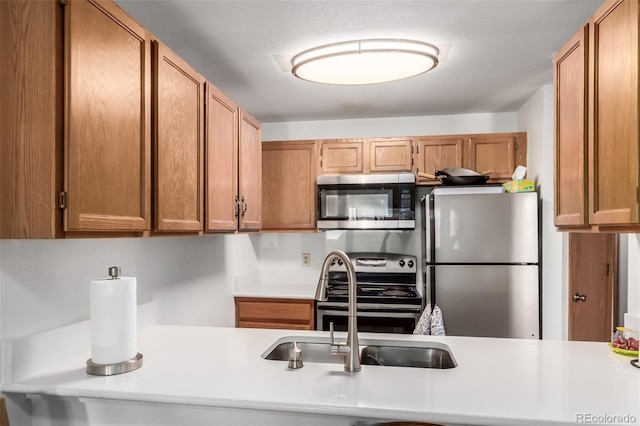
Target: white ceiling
496, 53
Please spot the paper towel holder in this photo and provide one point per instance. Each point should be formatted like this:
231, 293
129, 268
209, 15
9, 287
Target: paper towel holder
118, 367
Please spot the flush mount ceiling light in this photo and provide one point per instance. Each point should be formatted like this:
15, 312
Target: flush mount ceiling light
365, 61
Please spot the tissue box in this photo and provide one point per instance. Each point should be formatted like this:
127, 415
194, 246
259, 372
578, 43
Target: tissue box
520, 185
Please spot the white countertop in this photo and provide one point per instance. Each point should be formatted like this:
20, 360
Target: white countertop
496, 382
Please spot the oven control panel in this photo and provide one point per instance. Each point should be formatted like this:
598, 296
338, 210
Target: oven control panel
377, 262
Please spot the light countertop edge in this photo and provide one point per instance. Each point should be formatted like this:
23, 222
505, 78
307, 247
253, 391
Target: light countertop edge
497, 381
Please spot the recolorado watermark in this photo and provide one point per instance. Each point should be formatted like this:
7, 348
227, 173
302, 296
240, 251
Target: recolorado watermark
596, 419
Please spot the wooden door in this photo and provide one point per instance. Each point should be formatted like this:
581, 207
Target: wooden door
495, 153
250, 172
107, 119
613, 114
438, 153
222, 162
570, 164
593, 260
31, 39
288, 185
178, 142
337, 157
390, 155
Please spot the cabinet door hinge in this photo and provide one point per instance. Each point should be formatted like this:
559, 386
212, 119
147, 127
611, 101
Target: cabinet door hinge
515, 145
62, 199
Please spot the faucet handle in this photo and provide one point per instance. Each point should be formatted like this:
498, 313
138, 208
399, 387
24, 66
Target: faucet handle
332, 340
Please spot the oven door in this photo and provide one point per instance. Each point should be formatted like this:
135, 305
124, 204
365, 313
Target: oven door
368, 321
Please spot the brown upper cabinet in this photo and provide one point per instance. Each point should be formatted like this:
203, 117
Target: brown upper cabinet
72, 68
178, 142
249, 172
438, 152
289, 185
372, 155
605, 103
570, 67
613, 114
234, 166
497, 153
107, 119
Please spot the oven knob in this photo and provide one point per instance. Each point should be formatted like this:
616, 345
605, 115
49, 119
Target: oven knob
401, 263
340, 262
333, 262
410, 264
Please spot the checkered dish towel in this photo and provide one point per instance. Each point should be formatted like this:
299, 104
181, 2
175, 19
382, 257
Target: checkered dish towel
430, 322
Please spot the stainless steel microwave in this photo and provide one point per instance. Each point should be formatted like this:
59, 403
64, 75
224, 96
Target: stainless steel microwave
374, 201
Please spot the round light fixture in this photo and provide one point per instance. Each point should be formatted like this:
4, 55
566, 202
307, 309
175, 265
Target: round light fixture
365, 61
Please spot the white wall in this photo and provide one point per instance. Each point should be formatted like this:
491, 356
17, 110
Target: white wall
383, 127
536, 118
44, 283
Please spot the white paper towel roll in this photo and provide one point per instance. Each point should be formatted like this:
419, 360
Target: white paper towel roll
113, 320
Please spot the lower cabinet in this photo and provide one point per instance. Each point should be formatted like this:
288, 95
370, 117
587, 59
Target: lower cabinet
297, 314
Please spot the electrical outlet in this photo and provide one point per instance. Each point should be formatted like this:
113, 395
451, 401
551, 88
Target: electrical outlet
306, 259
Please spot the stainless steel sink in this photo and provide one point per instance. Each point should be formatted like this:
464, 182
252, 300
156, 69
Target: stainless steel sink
392, 353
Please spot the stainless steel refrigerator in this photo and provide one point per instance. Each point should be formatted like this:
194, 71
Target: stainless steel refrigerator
480, 267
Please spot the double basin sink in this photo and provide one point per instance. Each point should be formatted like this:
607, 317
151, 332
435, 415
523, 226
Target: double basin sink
393, 353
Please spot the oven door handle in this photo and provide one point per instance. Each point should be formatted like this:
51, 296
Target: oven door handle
371, 314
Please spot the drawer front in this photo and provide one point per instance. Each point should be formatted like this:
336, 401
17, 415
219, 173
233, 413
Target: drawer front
274, 311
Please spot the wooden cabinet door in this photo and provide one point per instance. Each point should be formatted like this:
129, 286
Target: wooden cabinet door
337, 157
438, 153
390, 155
250, 172
222, 162
495, 153
178, 142
107, 119
31, 119
613, 114
570, 167
288, 185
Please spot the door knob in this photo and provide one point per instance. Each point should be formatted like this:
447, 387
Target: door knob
579, 297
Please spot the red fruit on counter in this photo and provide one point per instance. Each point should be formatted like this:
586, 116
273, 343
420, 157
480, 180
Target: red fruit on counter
632, 344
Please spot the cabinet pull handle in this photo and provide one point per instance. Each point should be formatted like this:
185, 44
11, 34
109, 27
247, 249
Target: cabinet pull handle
237, 209
244, 206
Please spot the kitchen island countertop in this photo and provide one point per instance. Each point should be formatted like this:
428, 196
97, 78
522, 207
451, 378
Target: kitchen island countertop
496, 382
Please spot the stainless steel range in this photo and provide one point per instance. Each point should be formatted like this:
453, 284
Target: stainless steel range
387, 301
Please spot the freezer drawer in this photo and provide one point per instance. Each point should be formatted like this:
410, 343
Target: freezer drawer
485, 228
488, 300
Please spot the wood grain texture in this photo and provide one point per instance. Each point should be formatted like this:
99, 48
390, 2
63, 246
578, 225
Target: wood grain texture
589, 255
4, 415
342, 156
178, 145
492, 152
390, 155
288, 185
613, 114
249, 172
107, 112
275, 313
31, 119
221, 162
570, 155
437, 153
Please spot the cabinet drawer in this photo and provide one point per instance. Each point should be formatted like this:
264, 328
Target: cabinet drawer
274, 313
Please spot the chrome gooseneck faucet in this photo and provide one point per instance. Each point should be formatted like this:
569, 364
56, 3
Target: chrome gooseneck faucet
351, 349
